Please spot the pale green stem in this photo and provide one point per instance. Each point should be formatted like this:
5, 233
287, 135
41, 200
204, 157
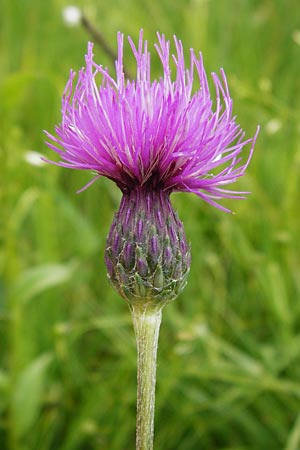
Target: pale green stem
146, 323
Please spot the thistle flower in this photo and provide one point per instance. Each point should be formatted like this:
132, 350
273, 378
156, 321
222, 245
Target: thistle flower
151, 138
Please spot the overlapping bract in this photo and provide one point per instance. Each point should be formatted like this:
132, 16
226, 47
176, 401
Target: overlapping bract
147, 255
158, 133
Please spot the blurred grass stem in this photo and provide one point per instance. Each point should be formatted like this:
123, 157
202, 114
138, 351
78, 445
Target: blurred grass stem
146, 322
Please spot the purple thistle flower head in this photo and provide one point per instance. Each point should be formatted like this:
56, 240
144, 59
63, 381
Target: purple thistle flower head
153, 133
151, 138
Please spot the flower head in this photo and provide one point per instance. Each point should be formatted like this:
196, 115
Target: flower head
151, 138
157, 133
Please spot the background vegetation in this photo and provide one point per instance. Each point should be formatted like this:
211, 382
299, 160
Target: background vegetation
229, 355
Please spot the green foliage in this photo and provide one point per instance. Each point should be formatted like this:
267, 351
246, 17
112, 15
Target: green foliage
27, 395
229, 361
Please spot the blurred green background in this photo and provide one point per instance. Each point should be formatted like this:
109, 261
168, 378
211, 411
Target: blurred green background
229, 354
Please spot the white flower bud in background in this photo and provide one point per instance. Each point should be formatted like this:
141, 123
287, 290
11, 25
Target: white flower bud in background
34, 158
273, 126
71, 15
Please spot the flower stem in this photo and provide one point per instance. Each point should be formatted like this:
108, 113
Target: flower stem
146, 322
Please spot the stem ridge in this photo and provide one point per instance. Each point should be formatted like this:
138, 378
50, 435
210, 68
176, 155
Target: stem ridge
146, 322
